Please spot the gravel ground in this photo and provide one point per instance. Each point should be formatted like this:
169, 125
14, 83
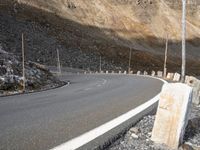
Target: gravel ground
138, 137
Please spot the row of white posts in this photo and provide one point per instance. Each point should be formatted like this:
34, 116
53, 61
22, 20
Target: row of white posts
170, 76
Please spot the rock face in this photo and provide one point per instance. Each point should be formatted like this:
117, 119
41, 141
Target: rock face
37, 76
172, 114
112, 27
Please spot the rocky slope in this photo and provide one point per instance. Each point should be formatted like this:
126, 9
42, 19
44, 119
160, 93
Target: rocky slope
111, 27
11, 80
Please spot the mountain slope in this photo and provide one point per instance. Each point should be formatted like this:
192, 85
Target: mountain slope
114, 26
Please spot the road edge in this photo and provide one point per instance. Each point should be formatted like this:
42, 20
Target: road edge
89, 136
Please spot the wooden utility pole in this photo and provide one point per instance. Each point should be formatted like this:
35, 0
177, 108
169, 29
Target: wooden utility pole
183, 40
165, 61
58, 61
129, 64
23, 65
100, 64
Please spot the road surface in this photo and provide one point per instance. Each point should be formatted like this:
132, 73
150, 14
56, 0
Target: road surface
40, 121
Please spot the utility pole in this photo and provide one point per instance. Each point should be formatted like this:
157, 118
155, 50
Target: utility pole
183, 40
129, 64
58, 61
89, 61
23, 65
165, 61
100, 64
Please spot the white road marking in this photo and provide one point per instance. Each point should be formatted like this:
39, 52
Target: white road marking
87, 89
92, 134
65, 85
104, 81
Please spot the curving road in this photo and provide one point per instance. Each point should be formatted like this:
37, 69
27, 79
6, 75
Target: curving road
44, 120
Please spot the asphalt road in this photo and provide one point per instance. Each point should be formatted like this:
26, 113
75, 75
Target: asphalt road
40, 121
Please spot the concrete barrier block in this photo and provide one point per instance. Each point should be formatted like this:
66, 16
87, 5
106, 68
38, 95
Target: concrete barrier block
153, 73
160, 74
177, 77
131, 72
112, 72
170, 76
172, 114
138, 72
125, 72
187, 78
195, 84
120, 72
145, 73
106, 72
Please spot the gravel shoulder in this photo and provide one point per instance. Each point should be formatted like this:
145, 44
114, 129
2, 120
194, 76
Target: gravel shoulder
139, 136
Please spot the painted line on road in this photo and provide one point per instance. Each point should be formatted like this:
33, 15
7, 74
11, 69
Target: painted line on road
68, 83
94, 133
87, 89
104, 81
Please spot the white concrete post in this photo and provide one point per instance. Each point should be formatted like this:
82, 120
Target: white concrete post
172, 114
195, 83
160, 74
138, 72
170, 76
145, 73
153, 73
177, 77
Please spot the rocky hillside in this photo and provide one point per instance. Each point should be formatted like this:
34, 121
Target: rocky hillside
11, 80
112, 27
